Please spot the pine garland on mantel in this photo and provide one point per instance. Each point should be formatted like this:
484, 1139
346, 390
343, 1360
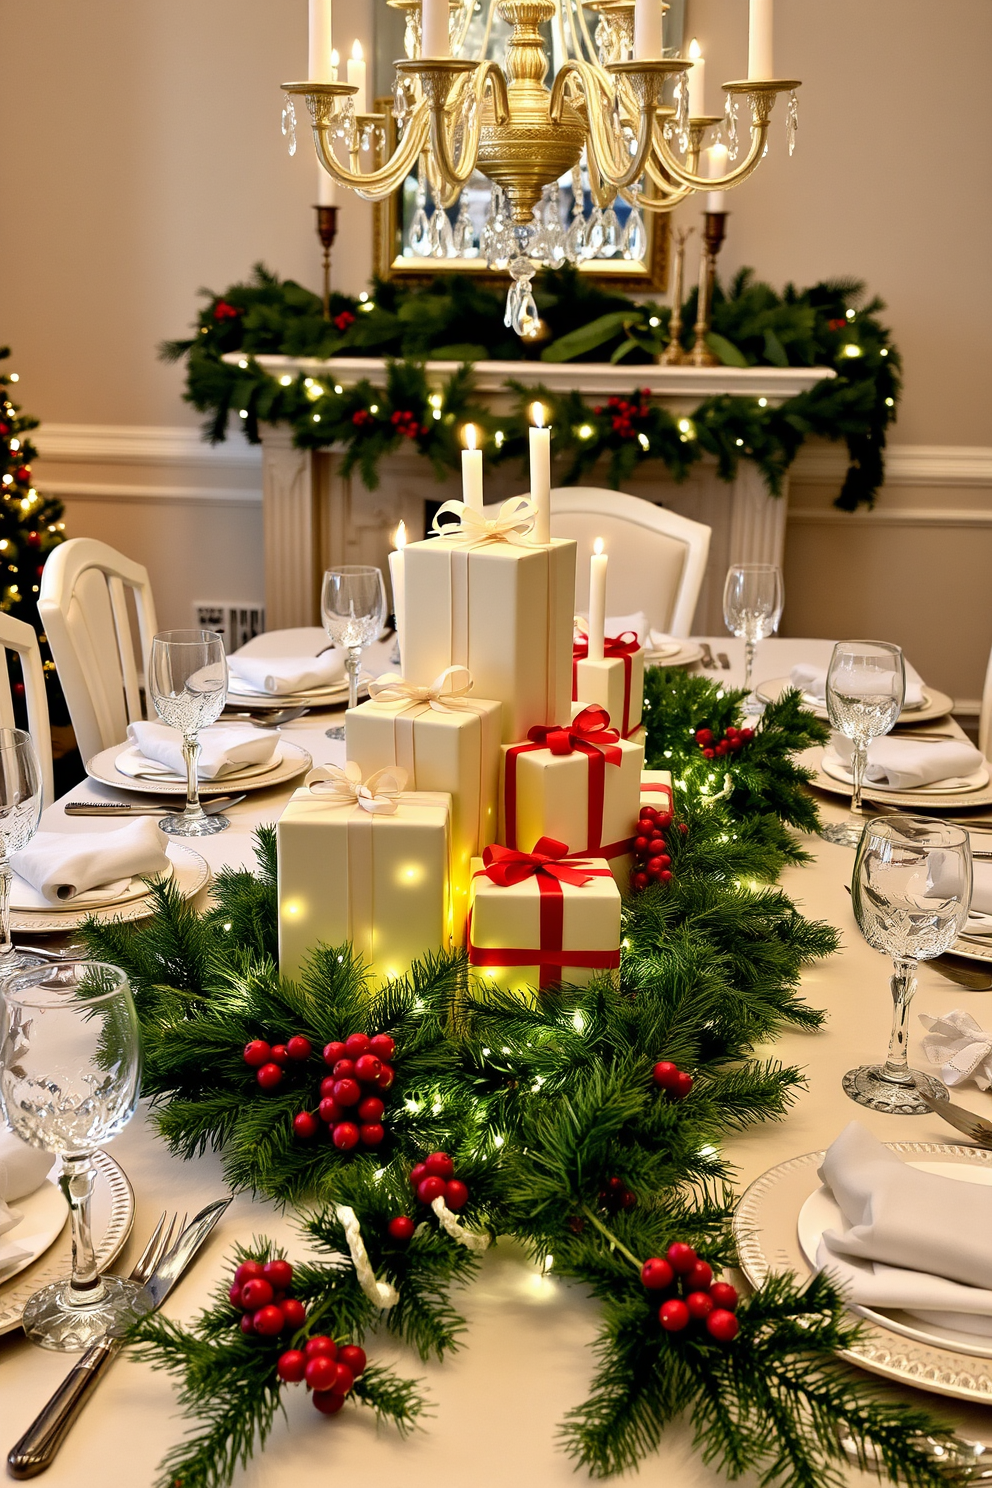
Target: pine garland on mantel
587, 1123
830, 324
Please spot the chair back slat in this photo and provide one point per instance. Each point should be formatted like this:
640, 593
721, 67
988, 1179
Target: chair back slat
17, 636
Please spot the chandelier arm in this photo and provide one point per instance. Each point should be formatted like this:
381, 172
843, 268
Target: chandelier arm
684, 177
591, 50
377, 184
599, 142
488, 74
660, 204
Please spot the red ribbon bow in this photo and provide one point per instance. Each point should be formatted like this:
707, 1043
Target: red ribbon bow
591, 726
612, 645
507, 865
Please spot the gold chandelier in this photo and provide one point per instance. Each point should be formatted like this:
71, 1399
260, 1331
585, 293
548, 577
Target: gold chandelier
614, 109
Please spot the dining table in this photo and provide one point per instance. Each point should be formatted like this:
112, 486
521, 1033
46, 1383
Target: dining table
526, 1359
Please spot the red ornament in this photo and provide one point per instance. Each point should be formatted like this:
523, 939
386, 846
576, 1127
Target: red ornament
386, 1077
268, 1076
257, 1053
279, 1273
280, 1053
439, 1165
429, 1189
455, 1194
368, 1068
664, 1074
344, 1069
357, 1044
292, 1366
417, 1172
681, 1257
657, 1274
305, 1125
401, 1228
722, 1325
673, 1315
724, 1295
700, 1304
247, 1270
382, 1046
256, 1292
699, 1278
347, 1092
299, 1047
23, 474
371, 1133
294, 1312
345, 1136
329, 1110
321, 1344
269, 1321
371, 1108
353, 1358
321, 1372
681, 1086
333, 1052
327, 1402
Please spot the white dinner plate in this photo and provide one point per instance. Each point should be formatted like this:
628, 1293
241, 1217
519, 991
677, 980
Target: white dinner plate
113, 1215
189, 873
31, 901
295, 760
132, 763
832, 765
926, 799
321, 697
686, 653
935, 704
767, 1232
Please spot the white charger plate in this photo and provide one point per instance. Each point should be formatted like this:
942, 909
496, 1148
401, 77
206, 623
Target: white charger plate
928, 800
935, 704
832, 764
687, 653
295, 761
189, 873
767, 1235
113, 1216
132, 763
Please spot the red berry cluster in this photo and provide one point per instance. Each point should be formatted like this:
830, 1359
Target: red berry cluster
837, 324
652, 863
702, 1299
328, 1369
360, 1069
362, 419
260, 1292
668, 1077
625, 412
269, 1060
405, 423
434, 1178
343, 320
732, 742
615, 1195
224, 311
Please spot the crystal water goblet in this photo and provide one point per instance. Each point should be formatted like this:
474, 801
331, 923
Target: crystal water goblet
866, 686
69, 1076
20, 813
911, 891
187, 682
353, 609
753, 595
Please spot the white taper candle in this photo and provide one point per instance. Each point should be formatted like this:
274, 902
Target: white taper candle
320, 68
356, 76
760, 49
717, 157
434, 29
647, 30
472, 470
597, 601
697, 80
540, 474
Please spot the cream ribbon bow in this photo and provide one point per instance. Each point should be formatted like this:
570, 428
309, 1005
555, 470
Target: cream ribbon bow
514, 523
961, 1046
447, 692
377, 795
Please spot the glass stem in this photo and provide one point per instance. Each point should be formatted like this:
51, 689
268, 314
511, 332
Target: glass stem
191, 753
6, 944
858, 764
353, 665
86, 1286
748, 664
903, 985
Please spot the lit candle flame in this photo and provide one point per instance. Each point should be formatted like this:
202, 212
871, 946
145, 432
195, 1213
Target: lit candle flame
399, 537
598, 545
471, 437
695, 50
335, 59
356, 52
537, 412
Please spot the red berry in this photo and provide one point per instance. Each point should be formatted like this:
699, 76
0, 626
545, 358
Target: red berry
305, 1124
257, 1053
655, 865
280, 1053
722, 1325
639, 880
372, 1133
455, 1194
329, 1110
356, 1044
656, 1274
371, 1108
353, 1358
724, 1295
402, 1228
343, 1380
256, 1292
269, 1321
684, 828
268, 1076
327, 1087
700, 1304
747, 735
648, 814
628, 1199
279, 1273
347, 1092
681, 1086
665, 819
699, 1278
709, 754
345, 1136
417, 1172
333, 1051
664, 860
664, 1074
320, 1344
294, 1312
673, 1315
429, 1189
327, 1402
247, 1323
665, 876
368, 1068
386, 1077
439, 1165
343, 1069
292, 1366
641, 846
321, 1372
704, 736
657, 845
299, 1047
681, 1257
247, 1270
382, 1046
234, 1295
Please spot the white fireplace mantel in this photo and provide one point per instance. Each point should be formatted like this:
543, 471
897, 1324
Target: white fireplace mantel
314, 516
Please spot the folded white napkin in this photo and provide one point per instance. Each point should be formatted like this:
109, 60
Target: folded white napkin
961, 1047
812, 680
62, 865
911, 1239
275, 676
22, 1170
662, 644
905, 764
224, 748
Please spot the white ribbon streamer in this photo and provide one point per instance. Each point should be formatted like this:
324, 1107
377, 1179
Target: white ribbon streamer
514, 523
344, 783
960, 1046
444, 694
450, 1222
380, 1293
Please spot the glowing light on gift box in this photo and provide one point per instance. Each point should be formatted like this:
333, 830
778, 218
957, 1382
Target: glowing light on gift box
410, 873
597, 601
540, 473
472, 469
396, 582
293, 907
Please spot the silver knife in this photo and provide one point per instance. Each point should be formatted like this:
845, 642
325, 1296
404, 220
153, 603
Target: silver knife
38, 1447
125, 808
975, 1127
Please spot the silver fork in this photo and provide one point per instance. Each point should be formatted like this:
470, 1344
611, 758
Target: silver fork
39, 1445
709, 660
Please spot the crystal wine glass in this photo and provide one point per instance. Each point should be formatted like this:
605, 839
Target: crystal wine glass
69, 1074
911, 891
187, 681
753, 595
866, 685
20, 813
353, 608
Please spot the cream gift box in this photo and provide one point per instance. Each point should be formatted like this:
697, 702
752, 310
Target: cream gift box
498, 604
536, 921
578, 784
445, 741
616, 683
366, 863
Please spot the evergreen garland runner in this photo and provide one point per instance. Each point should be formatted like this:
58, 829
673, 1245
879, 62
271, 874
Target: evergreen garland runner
585, 1122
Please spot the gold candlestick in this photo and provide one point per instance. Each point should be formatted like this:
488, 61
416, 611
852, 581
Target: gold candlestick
673, 355
327, 231
714, 231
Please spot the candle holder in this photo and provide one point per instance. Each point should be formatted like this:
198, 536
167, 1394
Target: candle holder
327, 231
714, 232
673, 354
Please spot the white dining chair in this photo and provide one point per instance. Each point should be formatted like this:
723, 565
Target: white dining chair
985, 716
15, 635
83, 603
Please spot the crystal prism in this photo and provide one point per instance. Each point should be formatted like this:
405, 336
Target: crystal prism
289, 124
792, 121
